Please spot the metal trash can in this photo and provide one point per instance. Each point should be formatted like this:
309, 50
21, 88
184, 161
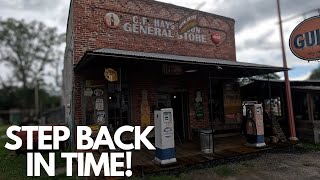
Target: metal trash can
206, 141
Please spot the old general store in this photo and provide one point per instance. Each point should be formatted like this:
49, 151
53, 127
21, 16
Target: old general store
125, 59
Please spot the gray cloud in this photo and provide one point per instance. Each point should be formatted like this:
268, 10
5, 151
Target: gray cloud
249, 12
51, 12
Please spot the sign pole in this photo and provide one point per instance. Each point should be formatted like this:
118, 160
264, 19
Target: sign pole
287, 83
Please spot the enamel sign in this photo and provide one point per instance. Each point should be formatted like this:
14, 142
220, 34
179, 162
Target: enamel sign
216, 37
305, 39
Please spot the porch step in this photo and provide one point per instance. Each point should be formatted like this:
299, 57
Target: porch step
277, 129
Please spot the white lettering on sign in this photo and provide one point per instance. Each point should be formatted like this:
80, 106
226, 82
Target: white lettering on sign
162, 28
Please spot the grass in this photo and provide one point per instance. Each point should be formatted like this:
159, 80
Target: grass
13, 166
3, 129
311, 146
224, 170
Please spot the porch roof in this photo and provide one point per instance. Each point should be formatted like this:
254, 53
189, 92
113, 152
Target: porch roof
311, 88
242, 69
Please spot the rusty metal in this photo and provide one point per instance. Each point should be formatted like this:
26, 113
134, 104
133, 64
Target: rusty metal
287, 83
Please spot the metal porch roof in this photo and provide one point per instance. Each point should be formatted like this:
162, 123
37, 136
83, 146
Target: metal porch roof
129, 55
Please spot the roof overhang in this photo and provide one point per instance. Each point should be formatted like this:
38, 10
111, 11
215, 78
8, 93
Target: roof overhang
247, 69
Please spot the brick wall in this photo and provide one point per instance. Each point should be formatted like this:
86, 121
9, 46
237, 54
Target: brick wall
88, 31
92, 33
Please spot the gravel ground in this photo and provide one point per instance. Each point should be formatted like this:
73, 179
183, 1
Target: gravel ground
295, 162
286, 165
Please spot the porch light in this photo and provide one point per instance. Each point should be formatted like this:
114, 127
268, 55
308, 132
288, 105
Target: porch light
110, 97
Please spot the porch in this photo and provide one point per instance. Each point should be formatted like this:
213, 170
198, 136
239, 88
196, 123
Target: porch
189, 154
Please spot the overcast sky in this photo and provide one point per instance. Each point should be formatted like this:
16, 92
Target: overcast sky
257, 31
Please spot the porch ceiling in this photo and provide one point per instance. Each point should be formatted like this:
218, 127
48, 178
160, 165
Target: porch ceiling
223, 67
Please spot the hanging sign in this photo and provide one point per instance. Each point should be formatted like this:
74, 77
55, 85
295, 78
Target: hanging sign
111, 74
304, 40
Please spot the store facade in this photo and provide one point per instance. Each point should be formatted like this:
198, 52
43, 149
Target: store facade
125, 59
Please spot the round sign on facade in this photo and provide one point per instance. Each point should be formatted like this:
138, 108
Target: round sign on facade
304, 40
112, 20
216, 37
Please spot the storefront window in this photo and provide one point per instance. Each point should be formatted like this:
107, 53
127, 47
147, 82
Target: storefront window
316, 107
300, 106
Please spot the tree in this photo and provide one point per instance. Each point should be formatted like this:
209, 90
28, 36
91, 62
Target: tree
28, 48
315, 75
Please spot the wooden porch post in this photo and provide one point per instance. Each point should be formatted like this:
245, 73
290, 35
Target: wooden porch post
310, 106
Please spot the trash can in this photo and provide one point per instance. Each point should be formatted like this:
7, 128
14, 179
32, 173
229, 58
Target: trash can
206, 141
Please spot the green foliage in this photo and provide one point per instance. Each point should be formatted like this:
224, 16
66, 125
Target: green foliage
23, 98
13, 166
311, 146
315, 75
246, 80
28, 48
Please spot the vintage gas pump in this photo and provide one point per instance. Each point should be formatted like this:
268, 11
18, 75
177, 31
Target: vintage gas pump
254, 124
164, 136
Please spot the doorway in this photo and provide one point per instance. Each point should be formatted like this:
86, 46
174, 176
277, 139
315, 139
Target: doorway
181, 124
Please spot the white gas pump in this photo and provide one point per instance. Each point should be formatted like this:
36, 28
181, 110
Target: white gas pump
164, 136
254, 124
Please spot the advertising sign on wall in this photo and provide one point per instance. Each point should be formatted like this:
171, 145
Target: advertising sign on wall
305, 39
231, 102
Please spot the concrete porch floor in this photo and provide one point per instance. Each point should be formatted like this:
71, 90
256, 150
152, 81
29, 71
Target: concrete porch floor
189, 153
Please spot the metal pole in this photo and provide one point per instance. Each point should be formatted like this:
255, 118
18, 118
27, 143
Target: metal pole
287, 83
211, 111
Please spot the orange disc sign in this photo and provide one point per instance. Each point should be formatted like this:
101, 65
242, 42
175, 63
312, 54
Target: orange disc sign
304, 41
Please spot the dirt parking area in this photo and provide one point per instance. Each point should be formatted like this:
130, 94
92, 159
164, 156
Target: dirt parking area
268, 166
293, 163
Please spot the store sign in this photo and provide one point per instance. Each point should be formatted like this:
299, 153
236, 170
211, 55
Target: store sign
163, 28
187, 24
305, 39
186, 30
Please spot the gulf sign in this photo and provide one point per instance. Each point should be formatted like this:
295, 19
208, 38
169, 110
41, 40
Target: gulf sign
305, 39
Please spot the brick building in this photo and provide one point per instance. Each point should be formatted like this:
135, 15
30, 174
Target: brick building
124, 59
